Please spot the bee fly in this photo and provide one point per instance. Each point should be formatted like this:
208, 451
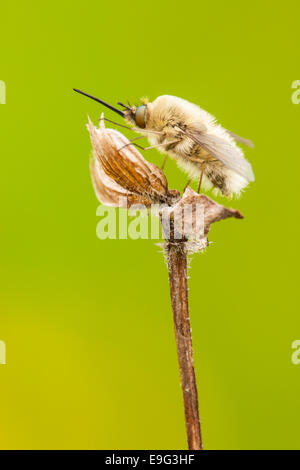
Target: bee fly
182, 130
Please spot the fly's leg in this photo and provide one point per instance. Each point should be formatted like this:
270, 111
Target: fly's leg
153, 146
134, 129
201, 176
161, 145
164, 162
117, 124
132, 142
187, 184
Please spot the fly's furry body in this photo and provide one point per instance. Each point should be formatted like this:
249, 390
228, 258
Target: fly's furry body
190, 135
194, 139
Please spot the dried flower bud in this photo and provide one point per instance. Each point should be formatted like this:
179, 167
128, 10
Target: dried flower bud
190, 219
111, 193
120, 171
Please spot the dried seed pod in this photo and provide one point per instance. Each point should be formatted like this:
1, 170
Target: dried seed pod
190, 219
119, 170
111, 193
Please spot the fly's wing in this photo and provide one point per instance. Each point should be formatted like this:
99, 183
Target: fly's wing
241, 140
224, 151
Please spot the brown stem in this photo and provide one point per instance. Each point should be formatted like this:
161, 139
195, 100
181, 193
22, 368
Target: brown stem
177, 266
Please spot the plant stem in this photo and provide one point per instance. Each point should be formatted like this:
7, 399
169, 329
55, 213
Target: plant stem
177, 266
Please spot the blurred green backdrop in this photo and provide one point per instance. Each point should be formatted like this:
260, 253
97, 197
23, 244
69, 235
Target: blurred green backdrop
91, 357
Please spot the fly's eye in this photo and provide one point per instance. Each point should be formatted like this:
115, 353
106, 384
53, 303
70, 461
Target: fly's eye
140, 116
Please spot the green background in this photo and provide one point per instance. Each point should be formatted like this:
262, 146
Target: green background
91, 357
